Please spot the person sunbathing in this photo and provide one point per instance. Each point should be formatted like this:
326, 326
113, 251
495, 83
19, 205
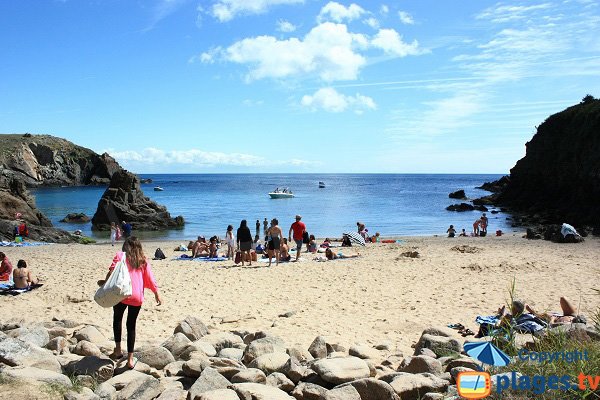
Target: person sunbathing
333, 256
507, 321
212, 248
568, 316
200, 247
284, 250
22, 276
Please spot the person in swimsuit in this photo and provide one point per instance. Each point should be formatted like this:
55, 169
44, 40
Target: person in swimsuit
230, 242
284, 249
212, 248
568, 316
200, 247
332, 256
275, 234
22, 276
476, 225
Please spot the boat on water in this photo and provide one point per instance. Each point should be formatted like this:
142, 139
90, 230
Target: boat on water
158, 189
321, 185
281, 194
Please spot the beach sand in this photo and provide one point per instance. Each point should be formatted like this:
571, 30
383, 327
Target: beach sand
381, 296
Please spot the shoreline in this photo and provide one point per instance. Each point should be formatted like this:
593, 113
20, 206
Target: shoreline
381, 296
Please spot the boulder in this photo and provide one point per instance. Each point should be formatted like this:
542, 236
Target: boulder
83, 394
459, 194
91, 334
100, 368
141, 388
198, 346
175, 369
192, 327
413, 386
156, 357
302, 355
208, 380
364, 352
222, 340
280, 381
124, 200
322, 346
372, 389
219, 394
440, 345
265, 345
15, 352
232, 354
341, 370
122, 380
249, 375
176, 344
296, 372
256, 391
106, 391
269, 363
58, 344
417, 364
36, 376
76, 218
462, 207
173, 394
466, 362
343, 393
194, 366
36, 335
85, 348
309, 391
226, 367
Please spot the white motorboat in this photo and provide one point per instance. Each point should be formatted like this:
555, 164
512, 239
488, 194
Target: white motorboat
158, 189
281, 194
321, 185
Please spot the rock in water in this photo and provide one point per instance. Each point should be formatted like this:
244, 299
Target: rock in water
459, 194
124, 200
78, 218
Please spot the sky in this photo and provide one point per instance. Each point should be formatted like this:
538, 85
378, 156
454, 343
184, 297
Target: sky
279, 86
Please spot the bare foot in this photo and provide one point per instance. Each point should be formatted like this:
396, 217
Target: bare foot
115, 356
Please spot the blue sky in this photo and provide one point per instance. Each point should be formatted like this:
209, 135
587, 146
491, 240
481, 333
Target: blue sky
296, 85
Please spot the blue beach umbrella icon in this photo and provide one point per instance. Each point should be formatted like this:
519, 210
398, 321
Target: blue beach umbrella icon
487, 353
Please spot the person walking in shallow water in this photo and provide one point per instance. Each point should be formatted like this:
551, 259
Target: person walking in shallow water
141, 278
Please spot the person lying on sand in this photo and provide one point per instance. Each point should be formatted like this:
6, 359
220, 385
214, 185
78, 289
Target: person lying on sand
22, 276
507, 321
333, 256
568, 316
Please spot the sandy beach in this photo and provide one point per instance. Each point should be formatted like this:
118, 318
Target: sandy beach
381, 296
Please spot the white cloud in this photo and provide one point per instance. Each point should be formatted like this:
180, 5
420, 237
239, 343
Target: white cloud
331, 100
161, 10
391, 43
327, 50
226, 10
384, 9
337, 12
505, 13
372, 22
406, 18
151, 158
207, 57
285, 26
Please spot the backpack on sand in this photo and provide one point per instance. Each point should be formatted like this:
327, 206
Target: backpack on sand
159, 254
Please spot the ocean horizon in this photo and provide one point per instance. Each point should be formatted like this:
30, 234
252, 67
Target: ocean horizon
391, 204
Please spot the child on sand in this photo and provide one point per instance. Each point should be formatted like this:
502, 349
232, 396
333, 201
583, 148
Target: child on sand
212, 248
476, 225
463, 233
230, 242
312, 244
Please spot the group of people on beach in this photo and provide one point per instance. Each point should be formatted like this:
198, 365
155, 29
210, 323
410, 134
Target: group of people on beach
479, 228
116, 231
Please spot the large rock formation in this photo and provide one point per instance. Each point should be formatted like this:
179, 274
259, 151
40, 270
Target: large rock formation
124, 200
559, 177
48, 160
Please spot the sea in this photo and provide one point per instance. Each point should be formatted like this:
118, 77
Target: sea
391, 204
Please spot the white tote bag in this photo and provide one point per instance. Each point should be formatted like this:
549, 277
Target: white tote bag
117, 286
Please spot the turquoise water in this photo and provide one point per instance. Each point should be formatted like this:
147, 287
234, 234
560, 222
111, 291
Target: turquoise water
392, 204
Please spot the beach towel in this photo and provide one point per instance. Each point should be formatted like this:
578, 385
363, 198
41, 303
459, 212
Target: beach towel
185, 257
22, 244
14, 292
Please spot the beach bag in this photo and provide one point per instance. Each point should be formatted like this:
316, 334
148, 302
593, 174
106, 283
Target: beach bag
238, 257
117, 287
159, 255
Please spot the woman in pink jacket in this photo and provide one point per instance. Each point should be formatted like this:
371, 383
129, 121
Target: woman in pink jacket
141, 278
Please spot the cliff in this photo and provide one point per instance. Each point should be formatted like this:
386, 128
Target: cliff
559, 178
47, 160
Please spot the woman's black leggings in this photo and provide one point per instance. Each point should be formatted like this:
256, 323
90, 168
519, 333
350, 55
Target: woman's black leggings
132, 315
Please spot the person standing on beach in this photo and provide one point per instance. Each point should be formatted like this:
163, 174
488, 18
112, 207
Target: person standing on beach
126, 229
484, 223
298, 228
113, 233
257, 227
244, 241
274, 235
476, 225
142, 278
230, 242
265, 227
